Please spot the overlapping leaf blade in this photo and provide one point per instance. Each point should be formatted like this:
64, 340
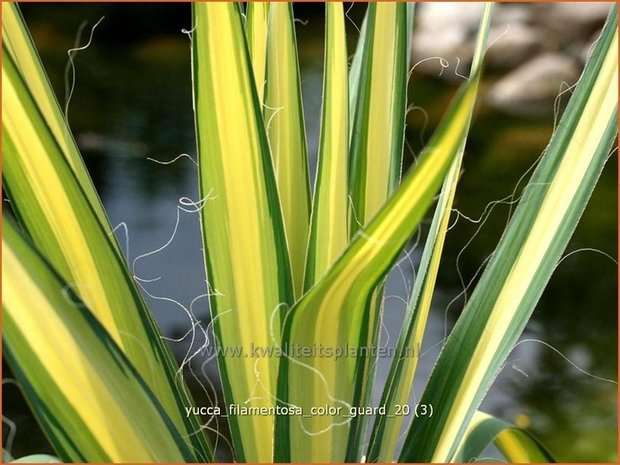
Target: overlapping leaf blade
525, 258
356, 62
286, 131
89, 399
334, 313
21, 48
399, 383
256, 27
245, 247
377, 143
355, 70
48, 196
255, 212
379, 121
516, 444
329, 234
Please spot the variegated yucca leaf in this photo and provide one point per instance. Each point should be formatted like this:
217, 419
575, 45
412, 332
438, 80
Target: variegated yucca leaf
355, 70
356, 61
284, 120
21, 49
329, 234
256, 27
88, 398
387, 428
516, 444
522, 264
283, 277
377, 143
245, 246
334, 313
41, 176
379, 121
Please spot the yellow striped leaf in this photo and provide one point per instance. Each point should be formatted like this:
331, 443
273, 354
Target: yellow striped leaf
21, 48
256, 26
329, 233
516, 444
333, 316
88, 398
50, 203
246, 254
387, 428
525, 258
379, 124
377, 144
284, 120
356, 62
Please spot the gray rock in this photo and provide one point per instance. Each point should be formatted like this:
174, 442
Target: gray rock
512, 45
578, 14
531, 89
444, 30
442, 16
568, 22
436, 54
511, 13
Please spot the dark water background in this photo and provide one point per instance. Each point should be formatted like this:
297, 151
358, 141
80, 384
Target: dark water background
132, 100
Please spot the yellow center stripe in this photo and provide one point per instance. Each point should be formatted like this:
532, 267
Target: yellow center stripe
558, 199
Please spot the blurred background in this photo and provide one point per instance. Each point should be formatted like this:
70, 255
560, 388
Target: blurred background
132, 101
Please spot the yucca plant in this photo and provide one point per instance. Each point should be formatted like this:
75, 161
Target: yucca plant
289, 270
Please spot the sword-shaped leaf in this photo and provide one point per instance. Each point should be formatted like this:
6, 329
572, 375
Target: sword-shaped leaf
284, 119
387, 428
333, 317
516, 444
329, 233
256, 27
377, 145
49, 199
356, 62
88, 398
379, 125
245, 247
525, 258
21, 48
